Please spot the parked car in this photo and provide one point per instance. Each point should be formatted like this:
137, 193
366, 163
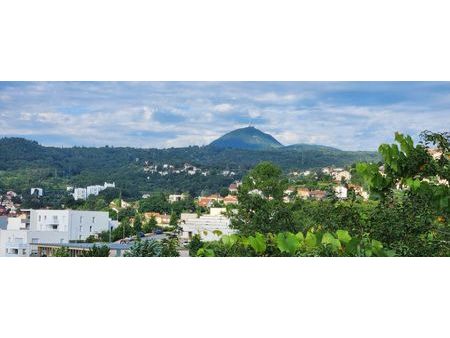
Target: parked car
158, 232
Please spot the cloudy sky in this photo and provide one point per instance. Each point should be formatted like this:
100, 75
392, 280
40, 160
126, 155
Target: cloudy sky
347, 115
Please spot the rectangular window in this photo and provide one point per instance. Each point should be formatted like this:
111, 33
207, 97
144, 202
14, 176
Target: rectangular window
93, 219
40, 218
81, 219
90, 228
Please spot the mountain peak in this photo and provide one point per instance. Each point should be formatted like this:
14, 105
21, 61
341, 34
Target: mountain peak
247, 138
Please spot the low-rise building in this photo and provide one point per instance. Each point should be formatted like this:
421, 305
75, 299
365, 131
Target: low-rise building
176, 198
209, 227
341, 192
37, 191
303, 193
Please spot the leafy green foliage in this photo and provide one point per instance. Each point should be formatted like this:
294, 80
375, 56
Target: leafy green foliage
96, 251
62, 252
313, 243
167, 247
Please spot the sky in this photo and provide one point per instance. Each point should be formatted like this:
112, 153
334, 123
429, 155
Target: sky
346, 115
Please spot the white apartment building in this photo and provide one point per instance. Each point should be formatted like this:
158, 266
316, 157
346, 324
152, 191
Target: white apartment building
210, 227
79, 194
84, 193
93, 190
51, 226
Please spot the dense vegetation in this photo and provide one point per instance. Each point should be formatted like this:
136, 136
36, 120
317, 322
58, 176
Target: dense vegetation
407, 215
25, 164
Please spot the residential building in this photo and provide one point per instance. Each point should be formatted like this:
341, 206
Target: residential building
93, 190
230, 199
51, 226
37, 191
341, 192
79, 194
176, 198
209, 227
303, 193
318, 194
208, 201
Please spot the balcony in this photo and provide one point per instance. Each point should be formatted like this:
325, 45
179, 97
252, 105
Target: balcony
16, 245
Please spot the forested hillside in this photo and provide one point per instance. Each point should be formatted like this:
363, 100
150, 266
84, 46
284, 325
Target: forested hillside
25, 163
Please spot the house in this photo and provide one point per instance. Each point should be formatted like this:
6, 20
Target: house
209, 227
37, 191
341, 192
303, 193
233, 188
176, 198
161, 219
51, 226
317, 194
339, 176
230, 199
208, 201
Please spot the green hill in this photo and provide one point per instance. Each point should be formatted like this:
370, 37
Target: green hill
246, 138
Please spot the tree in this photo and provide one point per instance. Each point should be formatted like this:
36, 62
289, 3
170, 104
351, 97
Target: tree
137, 224
96, 251
62, 252
413, 214
150, 225
155, 203
261, 206
224, 192
147, 248
194, 245
169, 247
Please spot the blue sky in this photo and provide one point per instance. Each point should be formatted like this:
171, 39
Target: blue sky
347, 115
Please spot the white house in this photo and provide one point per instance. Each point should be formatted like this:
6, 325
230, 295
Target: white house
37, 191
51, 226
210, 227
94, 190
341, 192
176, 198
79, 194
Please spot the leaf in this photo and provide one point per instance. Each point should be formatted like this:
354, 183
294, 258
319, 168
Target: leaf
300, 236
229, 240
288, 242
258, 243
202, 252
328, 239
311, 240
343, 236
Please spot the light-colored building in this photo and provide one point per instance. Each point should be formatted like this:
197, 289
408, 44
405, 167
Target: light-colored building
341, 192
51, 226
37, 191
338, 176
93, 190
210, 227
79, 194
175, 198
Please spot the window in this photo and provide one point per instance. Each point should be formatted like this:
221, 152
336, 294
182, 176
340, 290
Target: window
81, 219
93, 219
35, 240
90, 228
81, 228
45, 217
40, 218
